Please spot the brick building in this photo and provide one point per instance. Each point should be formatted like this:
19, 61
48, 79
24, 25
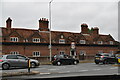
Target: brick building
34, 43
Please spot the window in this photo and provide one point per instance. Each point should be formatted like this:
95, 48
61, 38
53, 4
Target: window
111, 42
111, 52
36, 54
25, 40
62, 36
61, 40
100, 51
11, 57
36, 39
62, 52
82, 53
21, 57
14, 52
14, 39
100, 42
82, 41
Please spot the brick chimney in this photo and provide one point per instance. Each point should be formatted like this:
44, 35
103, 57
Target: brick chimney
96, 30
43, 24
8, 23
84, 28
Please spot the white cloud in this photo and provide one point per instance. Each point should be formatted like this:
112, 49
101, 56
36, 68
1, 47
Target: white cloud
66, 15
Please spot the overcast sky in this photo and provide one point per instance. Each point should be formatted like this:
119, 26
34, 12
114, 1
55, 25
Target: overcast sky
67, 15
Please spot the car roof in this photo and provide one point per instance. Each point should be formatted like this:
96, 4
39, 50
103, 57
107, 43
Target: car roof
9, 54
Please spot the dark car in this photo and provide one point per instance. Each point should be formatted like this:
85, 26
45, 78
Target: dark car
8, 61
64, 60
106, 58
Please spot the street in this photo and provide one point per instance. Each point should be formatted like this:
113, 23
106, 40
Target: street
82, 69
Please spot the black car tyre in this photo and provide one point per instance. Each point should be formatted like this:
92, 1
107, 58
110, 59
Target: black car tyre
96, 62
58, 63
75, 62
33, 65
105, 62
5, 66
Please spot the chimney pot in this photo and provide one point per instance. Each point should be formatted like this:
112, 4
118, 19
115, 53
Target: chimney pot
84, 28
8, 23
43, 25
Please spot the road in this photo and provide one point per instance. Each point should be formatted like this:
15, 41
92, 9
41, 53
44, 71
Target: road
82, 69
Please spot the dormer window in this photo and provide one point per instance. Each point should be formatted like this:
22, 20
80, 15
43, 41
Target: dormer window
36, 40
25, 40
111, 42
100, 42
82, 42
14, 39
62, 41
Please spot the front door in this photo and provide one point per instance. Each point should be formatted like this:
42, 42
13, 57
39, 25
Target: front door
73, 53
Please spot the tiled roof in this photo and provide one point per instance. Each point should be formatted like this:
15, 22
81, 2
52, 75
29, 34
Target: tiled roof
27, 33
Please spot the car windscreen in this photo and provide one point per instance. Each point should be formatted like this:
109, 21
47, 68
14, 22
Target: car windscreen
106, 55
117, 55
98, 55
21, 57
59, 56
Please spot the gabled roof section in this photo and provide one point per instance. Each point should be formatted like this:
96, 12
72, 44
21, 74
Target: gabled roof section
15, 33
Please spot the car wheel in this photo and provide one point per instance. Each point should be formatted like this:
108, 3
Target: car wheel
33, 65
58, 63
105, 62
5, 66
96, 62
75, 62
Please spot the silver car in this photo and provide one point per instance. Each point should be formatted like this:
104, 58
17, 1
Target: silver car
8, 61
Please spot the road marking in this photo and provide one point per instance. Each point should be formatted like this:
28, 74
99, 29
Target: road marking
96, 69
114, 68
83, 70
53, 69
67, 71
42, 68
45, 73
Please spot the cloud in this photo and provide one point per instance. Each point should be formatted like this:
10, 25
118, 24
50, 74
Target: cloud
66, 16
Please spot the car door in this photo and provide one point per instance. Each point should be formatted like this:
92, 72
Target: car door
112, 59
23, 61
67, 59
12, 60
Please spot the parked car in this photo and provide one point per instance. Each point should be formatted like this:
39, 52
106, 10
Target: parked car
106, 58
8, 61
63, 59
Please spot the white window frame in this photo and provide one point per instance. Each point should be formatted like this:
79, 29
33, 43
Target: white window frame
14, 39
62, 41
111, 42
100, 42
36, 40
82, 42
36, 53
83, 52
100, 51
62, 52
111, 52
62, 36
14, 52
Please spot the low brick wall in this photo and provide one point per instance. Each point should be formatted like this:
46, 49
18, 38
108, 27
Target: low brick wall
41, 59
